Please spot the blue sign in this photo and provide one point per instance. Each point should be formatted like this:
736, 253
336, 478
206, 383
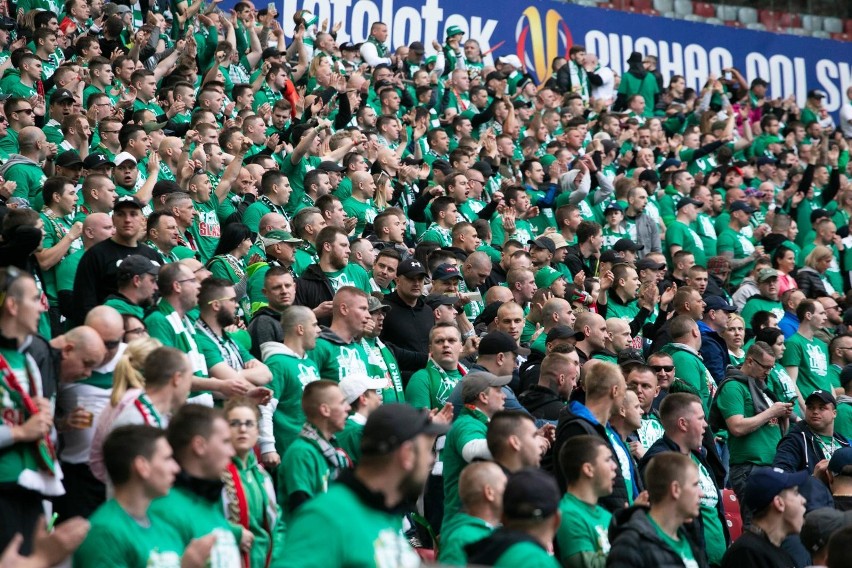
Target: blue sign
539, 30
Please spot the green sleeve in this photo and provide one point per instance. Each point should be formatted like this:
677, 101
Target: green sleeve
300, 472
252, 215
207, 47
675, 236
731, 400
667, 210
417, 392
159, 328
725, 243
219, 269
102, 550
686, 154
585, 559
208, 349
498, 235
792, 354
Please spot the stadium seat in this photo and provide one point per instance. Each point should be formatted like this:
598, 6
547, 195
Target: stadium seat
748, 15
664, 6
683, 7
726, 13
842, 37
694, 18
820, 34
811, 22
769, 18
732, 513
715, 21
832, 25
588, 3
734, 24
848, 26
756, 26
640, 6
788, 20
798, 32
704, 9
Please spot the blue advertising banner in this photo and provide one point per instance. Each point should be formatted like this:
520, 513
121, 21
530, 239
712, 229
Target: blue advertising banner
539, 30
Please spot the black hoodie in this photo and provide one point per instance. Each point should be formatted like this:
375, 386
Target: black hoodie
487, 552
636, 544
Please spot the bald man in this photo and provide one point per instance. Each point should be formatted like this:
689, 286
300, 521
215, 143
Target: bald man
619, 339
200, 271
25, 169
360, 204
169, 151
97, 227
79, 404
475, 270
595, 335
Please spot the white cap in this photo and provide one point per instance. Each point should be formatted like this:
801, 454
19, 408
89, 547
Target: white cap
512, 60
355, 385
123, 157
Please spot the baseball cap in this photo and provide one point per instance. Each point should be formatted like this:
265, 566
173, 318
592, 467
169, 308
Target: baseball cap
613, 206
96, 160
512, 60
753, 192
329, 166
546, 276
816, 94
742, 206
764, 160
649, 175
137, 265
765, 483
442, 166
563, 332
416, 47
349, 46
271, 52
391, 425
611, 256
446, 271
820, 524
354, 385
718, 303
622, 245
124, 157
819, 214
122, 9
275, 237
840, 461
766, 274
69, 159
689, 201
477, 382
543, 243
488, 314
822, 395
558, 240
127, 201
670, 163
153, 126
61, 95
495, 76
846, 376
649, 264
454, 31
374, 304
631, 356
496, 342
484, 168
411, 268
531, 494
436, 300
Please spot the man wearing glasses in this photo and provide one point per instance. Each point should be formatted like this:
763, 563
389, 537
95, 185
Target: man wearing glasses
754, 418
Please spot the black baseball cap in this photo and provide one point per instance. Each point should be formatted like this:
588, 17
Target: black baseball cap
563, 332
649, 264
436, 300
411, 268
391, 425
329, 166
165, 187
823, 396
689, 201
742, 206
96, 160
497, 342
717, 303
649, 175
69, 159
531, 494
622, 245
446, 271
545, 243
820, 524
127, 201
61, 95
137, 265
611, 256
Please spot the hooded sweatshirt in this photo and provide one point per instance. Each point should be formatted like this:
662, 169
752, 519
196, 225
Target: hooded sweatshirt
337, 359
28, 175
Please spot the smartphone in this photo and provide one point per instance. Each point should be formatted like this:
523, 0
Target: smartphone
728, 76
270, 8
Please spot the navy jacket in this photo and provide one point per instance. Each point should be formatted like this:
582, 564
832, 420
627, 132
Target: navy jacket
714, 352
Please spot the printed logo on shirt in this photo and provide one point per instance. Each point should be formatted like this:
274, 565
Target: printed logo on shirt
208, 224
350, 363
816, 359
391, 550
307, 374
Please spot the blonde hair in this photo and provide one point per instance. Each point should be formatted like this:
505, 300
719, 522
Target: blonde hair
128, 371
816, 254
382, 180
735, 317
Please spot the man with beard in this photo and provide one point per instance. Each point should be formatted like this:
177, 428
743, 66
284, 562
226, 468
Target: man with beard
98, 268
137, 284
396, 457
279, 290
381, 362
320, 282
226, 359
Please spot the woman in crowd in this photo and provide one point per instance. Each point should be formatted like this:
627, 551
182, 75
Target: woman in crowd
784, 261
228, 260
734, 337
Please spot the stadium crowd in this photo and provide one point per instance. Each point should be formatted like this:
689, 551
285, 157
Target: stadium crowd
270, 302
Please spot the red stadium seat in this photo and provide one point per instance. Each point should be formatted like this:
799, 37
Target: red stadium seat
704, 9
842, 37
788, 20
641, 5
769, 18
427, 555
848, 26
734, 24
732, 513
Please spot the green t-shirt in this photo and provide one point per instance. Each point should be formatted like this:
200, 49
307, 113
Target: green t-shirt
290, 374
680, 546
117, 539
205, 228
758, 304
757, 447
338, 529
191, 516
66, 271
55, 228
741, 247
523, 231
707, 232
583, 529
336, 361
714, 535
349, 439
528, 555
811, 357
365, 212
253, 214
690, 369
682, 235
843, 422
650, 430
470, 425
211, 349
430, 389
459, 531
351, 275
30, 179
124, 307
303, 469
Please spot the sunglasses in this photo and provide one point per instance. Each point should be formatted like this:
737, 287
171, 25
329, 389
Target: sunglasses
666, 368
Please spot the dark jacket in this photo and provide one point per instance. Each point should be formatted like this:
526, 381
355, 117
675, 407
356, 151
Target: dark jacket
576, 420
799, 450
265, 325
312, 289
576, 262
530, 369
666, 444
635, 543
406, 332
714, 352
542, 402
810, 283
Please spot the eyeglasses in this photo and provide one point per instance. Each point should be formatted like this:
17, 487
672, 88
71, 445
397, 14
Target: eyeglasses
185, 280
766, 368
112, 344
666, 368
26, 111
249, 424
832, 308
136, 331
228, 299
3, 119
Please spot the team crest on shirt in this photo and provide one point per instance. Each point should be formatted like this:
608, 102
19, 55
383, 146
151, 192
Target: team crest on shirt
392, 550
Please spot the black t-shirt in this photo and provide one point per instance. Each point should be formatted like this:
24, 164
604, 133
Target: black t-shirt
756, 551
843, 502
96, 275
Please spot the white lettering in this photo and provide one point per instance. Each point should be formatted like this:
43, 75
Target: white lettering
695, 63
406, 24
826, 74
670, 60
432, 14
363, 15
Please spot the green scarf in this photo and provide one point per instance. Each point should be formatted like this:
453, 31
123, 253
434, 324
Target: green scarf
439, 376
185, 334
337, 459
